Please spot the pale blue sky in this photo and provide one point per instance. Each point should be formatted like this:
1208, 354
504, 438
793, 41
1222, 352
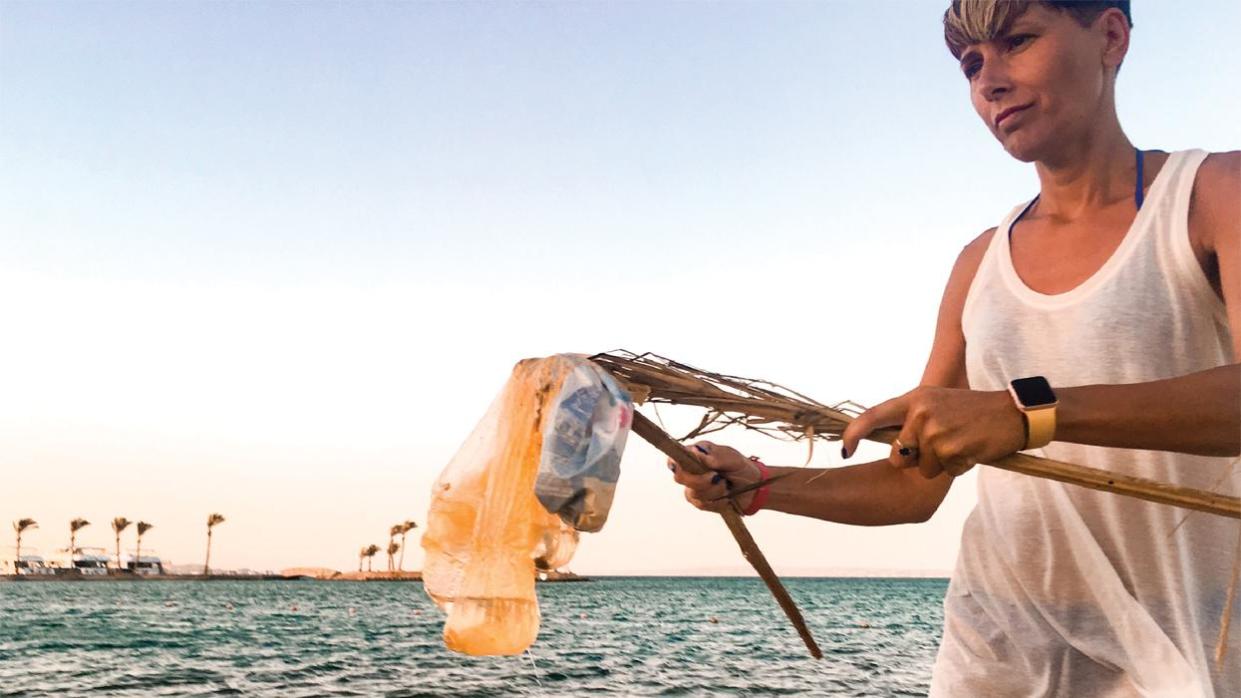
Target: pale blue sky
245, 246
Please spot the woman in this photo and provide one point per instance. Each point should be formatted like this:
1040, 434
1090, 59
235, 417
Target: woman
1113, 292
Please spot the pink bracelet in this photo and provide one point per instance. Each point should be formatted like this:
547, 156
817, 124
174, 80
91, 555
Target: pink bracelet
760, 497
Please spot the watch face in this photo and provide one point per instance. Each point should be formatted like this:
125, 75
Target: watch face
1034, 392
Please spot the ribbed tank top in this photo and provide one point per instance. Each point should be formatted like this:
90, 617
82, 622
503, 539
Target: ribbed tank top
1061, 590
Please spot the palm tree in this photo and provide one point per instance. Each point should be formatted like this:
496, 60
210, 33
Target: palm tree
119, 524
361, 557
143, 527
75, 526
405, 529
369, 553
20, 527
393, 532
393, 546
212, 520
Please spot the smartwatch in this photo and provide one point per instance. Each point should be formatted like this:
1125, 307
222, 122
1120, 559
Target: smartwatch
1037, 402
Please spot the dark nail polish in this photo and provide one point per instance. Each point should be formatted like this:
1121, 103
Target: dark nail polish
905, 452
716, 480
700, 448
844, 452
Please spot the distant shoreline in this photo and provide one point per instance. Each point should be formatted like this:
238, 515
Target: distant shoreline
338, 577
38, 579
104, 578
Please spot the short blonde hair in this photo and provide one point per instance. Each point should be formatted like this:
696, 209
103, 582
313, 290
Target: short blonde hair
976, 21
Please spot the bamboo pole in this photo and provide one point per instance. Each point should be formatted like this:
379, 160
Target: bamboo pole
732, 518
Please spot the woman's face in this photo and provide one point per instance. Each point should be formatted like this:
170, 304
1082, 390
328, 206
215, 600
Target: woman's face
1041, 85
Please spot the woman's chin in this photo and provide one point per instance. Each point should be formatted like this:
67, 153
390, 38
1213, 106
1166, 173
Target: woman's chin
1021, 147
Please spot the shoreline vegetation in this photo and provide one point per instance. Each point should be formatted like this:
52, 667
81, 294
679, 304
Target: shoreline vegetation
94, 564
293, 574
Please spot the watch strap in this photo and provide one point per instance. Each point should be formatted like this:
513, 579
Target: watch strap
1040, 426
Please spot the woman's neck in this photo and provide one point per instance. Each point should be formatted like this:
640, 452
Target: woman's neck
1089, 172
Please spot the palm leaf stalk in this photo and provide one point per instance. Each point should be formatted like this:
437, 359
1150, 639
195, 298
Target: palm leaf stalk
732, 518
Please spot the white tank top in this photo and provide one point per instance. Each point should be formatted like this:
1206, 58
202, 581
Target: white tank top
1065, 591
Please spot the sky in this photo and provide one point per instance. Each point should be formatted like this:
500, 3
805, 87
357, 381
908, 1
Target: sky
275, 259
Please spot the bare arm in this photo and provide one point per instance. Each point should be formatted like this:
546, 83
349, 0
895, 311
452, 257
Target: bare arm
867, 494
1199, 413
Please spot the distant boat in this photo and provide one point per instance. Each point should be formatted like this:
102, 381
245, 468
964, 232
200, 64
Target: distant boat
30, 564
89, 562
147, 565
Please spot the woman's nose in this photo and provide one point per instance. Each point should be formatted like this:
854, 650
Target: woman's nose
993, 81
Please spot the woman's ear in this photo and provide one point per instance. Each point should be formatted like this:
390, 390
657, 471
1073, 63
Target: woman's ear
1114, 27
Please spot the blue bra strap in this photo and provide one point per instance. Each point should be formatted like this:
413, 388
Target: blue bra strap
1138, 195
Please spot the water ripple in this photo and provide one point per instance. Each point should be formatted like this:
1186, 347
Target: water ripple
625, 636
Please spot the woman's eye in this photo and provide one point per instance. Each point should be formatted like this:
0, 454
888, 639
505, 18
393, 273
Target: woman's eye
971, 70
1019, 40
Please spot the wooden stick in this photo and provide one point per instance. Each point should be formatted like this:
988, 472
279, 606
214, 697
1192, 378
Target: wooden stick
1106, 481
732, 518
1225, 619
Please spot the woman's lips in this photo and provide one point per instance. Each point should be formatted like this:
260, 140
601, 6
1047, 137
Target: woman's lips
1009, 112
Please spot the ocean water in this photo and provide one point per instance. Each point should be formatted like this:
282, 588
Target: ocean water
624, 636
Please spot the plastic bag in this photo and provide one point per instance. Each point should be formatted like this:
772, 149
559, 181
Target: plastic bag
582, 447
486, 528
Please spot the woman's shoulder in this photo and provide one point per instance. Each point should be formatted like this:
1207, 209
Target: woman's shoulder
1216, 199
1224, 161
1219, 175
963, 273
971, 255
1218, 178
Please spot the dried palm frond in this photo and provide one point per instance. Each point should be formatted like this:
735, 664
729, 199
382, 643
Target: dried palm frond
777, 411
751, 403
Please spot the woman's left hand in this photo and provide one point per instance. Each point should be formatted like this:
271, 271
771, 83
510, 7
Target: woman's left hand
944, 429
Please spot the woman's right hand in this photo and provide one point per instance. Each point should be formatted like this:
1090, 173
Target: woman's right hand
729, 469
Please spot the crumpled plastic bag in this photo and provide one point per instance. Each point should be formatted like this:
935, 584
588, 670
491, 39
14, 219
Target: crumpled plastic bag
487, 531
582, 447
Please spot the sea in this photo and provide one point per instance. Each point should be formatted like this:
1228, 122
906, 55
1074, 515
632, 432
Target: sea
612, 635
